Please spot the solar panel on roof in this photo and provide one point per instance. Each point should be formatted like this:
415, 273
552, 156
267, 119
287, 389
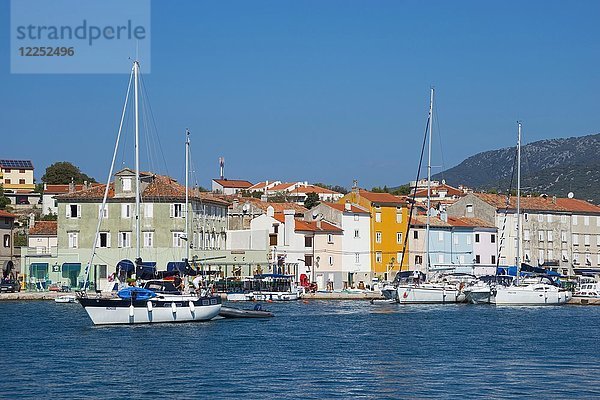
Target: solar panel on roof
17, 164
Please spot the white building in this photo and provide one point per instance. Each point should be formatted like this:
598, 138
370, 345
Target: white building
229, 186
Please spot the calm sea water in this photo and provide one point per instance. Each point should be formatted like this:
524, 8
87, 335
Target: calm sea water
318, 349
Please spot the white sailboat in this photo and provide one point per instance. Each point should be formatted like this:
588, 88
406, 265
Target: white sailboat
429, 292
159, 301
530, 291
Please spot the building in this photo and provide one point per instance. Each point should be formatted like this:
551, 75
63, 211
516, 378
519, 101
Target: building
42, 237
438, 192
388, 227
464, 245
17, 175
244, 209
294, 192
162, 224
229, 186
355, 222
557, 233
49, 202
8, 259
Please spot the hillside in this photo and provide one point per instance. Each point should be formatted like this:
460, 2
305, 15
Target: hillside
553, 166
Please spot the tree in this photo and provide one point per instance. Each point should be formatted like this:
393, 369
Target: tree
312, 199
4, 201
62, 172
335, 188
402, 190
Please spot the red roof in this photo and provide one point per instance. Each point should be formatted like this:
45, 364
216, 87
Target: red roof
342, 207
233, 183
277, 207
315, 189
45, 228
6, 214
304, 226
547, 203
451, 191
382, 197
281, 187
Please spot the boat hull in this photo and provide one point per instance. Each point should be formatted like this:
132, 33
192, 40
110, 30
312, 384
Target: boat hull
479, 295
429, 295
176, 309
531, 296
263, 296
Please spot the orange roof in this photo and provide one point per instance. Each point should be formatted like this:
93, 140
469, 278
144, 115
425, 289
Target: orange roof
6, 214
540, 203
305, 226
342, 207
421, 220
281, 186
452, 191
233, 183
315, 189
382, 197
277, 207
45, 228
58, 189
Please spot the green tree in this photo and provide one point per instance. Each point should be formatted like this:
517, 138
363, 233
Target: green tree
4, 201
312, 199
335, 188
62, 172
49, 217
402, 190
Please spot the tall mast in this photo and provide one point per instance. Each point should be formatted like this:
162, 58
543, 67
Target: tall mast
518, 202
428, 182
187, 194
136, 69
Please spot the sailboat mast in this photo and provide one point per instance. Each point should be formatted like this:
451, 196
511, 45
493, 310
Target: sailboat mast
187, 194
136, 68
518, 202
428, 182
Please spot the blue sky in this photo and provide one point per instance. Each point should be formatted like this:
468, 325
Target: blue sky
324, 91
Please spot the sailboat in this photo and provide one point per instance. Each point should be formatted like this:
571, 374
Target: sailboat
429, 292
531, 291
159, 301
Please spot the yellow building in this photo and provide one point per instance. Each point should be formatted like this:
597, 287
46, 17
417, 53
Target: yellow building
389, 222
17, 174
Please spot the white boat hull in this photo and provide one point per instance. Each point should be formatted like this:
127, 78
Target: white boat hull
263, 296
479, 295
532, 295
173, 309
429, 294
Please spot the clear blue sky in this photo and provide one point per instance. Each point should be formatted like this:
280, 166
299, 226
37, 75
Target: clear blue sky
324, 90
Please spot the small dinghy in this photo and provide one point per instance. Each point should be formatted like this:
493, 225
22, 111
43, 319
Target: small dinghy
257, 312
67, 298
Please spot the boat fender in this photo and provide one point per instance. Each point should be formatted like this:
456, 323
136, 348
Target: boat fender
405, 295
149, 306
131, 310
192, 306
173, 308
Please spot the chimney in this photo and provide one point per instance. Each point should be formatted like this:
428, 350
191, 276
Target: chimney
347, 205
31, 220
264, 198
71, 186
222, 167
553, 199
85, 185
270, 211
290, 226
319, 223
444, 216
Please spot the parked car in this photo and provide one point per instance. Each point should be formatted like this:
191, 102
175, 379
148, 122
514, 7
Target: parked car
10, 285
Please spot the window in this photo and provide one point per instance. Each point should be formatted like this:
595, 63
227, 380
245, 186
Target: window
73, 211
440, 236
330, 260
586, 220
493, 260
7, 170
125, 210
597, 221
308, 260
178, 239
356, 216
574, 219
177, 210
148, 210
461, 259
148, 239
563, 236
469, 208
102, 271
440, 258
73, 236
455, 239
308, 241
477, 238
550, 236
399, 215
493, 239
330, 238
469, 239
563, 219
378, 257
527, 258
418, 260
540, 256
21, 181
541, 236
550, 254
415, 234
272, 239
356, 234
399, 257
21, 171
576, 258
399, 237
564, 255
357, 258
377, 217
477, 259
598, 240
575, 239
526, 216
104, 240
540, 218
377, 237
7, 180
125, 239
103, 212
127, 184
6, 240
549, 217
586, 240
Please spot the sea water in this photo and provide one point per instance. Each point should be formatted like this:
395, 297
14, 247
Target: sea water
314, 349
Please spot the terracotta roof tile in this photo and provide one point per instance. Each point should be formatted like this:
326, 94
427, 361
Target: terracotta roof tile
6, 214
539, 203
382, 197
45, 228
342, 207
233, 183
